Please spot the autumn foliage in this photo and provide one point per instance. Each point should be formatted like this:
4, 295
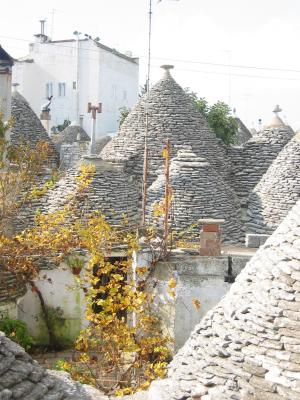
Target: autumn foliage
122, 349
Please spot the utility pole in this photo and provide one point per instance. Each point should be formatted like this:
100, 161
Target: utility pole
229, 76
94, 110
77, 34
53, 11
146, 152
166, 154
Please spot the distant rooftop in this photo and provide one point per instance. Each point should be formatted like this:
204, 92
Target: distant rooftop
4, 56
98, 44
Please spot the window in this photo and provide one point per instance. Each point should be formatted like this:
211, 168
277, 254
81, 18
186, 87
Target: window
61, 89
104, 280
49, 90
74, 85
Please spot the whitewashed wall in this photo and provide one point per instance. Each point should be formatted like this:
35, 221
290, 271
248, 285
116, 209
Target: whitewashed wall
197, 278
62, 295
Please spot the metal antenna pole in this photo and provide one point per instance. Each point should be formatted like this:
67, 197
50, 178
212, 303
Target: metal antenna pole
145, 167
146, 150
53, 11
167, 151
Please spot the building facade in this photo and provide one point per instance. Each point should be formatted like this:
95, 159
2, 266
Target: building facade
76, 72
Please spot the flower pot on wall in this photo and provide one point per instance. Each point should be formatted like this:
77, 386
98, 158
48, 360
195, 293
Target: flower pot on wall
76, 270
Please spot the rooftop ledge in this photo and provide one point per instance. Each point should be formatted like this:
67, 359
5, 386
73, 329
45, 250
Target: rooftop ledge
211, 221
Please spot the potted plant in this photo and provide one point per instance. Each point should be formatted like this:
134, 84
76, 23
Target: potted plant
75, 264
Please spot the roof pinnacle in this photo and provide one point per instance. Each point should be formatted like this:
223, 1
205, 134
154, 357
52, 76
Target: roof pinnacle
277, 110
167, 68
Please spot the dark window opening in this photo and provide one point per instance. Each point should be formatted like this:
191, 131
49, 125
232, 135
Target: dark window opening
104, 279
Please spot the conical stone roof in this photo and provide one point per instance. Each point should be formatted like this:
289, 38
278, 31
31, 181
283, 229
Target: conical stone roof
198, 192
23, 378
27, 127
278, 190
243, 133
101, 143
71, 134
172, 113
247, 347
251, 162
111, 192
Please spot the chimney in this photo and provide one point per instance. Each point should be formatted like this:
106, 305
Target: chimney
42, 37
15, 87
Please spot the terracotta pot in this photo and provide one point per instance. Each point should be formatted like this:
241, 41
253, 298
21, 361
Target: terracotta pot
76, 270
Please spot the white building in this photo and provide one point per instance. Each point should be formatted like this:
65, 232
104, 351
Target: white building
76, 72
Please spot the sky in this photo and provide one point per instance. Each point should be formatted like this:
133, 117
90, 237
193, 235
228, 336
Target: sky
258, 38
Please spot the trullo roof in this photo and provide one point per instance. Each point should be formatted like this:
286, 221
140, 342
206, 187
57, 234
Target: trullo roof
171, 113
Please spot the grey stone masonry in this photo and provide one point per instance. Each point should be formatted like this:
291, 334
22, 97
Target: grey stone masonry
101, 143
71, 134
23, 378
255, 240
198, 191
251, 161
28, 128
11, 286
277, 192
111, 192
247, 347
171, 114
71, 153
243, 133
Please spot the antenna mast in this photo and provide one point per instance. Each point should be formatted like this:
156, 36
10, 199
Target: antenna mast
146, 152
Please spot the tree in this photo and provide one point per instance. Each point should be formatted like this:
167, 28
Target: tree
222, 123
122, 330
124, 111
217, 116
60, 127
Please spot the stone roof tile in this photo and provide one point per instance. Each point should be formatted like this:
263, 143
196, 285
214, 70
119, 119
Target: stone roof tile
243, 133
198, 191
277, 191
247, 347
172, 114
27, 127
71, 134
251, 161
22, 377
